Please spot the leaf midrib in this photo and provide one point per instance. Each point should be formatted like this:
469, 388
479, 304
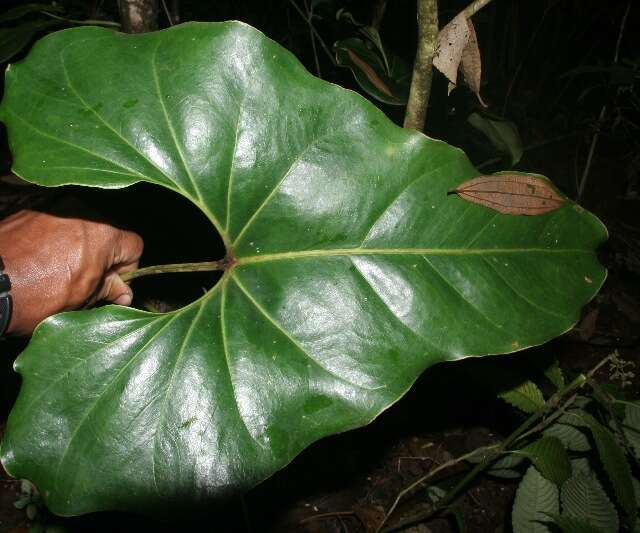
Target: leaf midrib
283, 256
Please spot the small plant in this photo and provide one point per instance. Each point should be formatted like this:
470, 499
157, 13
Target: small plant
573, 454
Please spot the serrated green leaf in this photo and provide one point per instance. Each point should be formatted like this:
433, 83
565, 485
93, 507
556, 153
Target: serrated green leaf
570, 524
581, 465
536, 498
583, 497
349, 268
616, 466
553, 373
573, 438
526, 396
550, 458
631, 426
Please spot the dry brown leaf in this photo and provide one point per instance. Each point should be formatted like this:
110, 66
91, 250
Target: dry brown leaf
512, 194
452, 40
472, 64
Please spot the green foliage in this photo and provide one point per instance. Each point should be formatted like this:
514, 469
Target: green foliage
570, 524
615, 464
536, 498
570, 460
631, 425
526, 396
573, 437
502, 133
13, 40
554, 374
584, 498
550, 458
387, 82
349, 268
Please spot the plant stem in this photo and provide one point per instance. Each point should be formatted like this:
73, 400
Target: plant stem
314, 31
432, 473
88, 22
420, 91
312, 37
474, 7
206, 266
499, 448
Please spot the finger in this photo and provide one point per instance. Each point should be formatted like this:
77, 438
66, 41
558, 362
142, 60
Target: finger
115, 290
128, 251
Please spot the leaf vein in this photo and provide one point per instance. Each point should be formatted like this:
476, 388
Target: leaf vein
101, 396
107, 125
170, 384
398, 319
225, 347
293, 341
518, 293
464, 298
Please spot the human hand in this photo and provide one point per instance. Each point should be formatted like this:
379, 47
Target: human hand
58, 263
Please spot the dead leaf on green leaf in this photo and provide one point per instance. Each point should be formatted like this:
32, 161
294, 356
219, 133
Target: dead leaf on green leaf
511, 194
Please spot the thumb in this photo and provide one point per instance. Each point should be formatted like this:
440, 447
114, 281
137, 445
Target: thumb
115, 290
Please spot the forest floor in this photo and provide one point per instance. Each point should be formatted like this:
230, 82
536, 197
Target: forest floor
346, 482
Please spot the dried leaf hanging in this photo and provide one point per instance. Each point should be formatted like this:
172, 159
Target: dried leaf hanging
458, 49
511, 194
472, 63
452, 40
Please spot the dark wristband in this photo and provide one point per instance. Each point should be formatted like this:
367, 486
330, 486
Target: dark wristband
6, 303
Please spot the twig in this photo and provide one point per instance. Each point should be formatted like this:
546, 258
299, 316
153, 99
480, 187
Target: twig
474, 7
312, 37
315, 32
206, 266
322, 516
526, 428
428, 476
167, 13
420, 91
87, 22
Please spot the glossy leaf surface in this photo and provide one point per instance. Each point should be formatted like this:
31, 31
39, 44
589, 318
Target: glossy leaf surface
352, 269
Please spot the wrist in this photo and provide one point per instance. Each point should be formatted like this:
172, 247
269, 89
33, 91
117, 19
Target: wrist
6, 302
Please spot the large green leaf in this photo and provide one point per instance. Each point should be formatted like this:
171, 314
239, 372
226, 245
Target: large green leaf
350, 268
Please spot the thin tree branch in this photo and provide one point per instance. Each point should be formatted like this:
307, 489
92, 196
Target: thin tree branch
420, 91
474, 7
314, 31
